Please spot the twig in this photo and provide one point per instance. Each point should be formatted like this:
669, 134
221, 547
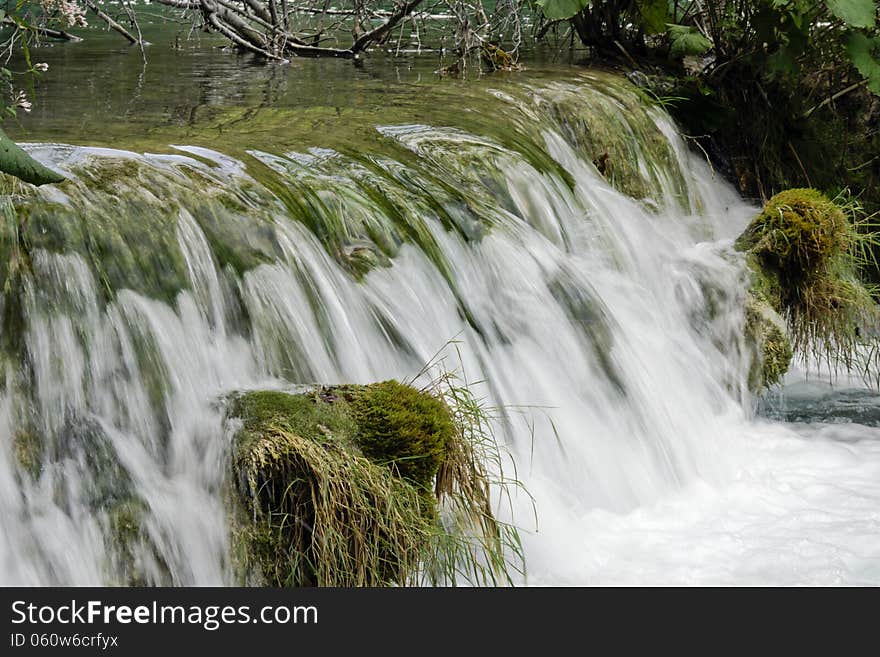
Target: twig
626, 54
831, 99
402, 10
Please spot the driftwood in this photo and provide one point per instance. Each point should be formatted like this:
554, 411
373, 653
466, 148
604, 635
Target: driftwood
281, 29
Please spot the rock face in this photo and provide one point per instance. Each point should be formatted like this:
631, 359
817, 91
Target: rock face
805, 295
336, 486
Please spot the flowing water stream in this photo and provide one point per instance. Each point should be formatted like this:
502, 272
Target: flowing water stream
231, 227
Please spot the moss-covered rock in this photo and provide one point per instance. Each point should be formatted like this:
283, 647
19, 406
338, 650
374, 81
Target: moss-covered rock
804, 253
765, 330
798, 231
314, 510
134, 558
335, 487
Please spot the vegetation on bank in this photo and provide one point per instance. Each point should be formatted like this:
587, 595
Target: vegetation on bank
779, 93
366, 485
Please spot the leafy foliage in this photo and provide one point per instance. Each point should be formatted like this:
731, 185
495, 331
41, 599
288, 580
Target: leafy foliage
686, 40
562, 9
654, 14
855, 13
861, 50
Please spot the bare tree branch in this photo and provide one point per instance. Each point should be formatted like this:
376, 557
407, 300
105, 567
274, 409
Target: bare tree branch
111, 23
44, 31
403, 9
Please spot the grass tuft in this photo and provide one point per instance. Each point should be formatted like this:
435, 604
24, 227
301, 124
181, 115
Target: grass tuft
371, 485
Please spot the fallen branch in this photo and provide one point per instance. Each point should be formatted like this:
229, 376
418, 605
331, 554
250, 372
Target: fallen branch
112, 23
401, 11
230, 34
260, 28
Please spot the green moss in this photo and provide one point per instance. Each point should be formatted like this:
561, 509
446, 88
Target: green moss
322, 415
617, 129
129, 545
765, 284
361, 259
311, 510
28, 449
798, 231
403, 428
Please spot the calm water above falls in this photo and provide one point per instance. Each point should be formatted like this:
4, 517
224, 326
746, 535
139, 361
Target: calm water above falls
234, 227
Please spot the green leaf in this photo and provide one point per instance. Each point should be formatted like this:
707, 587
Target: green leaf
782, 63
655, 15
14, 161
562, 9
684, 40
855, 13
861, 50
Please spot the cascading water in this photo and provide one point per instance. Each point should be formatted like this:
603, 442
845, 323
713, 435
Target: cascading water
603, 313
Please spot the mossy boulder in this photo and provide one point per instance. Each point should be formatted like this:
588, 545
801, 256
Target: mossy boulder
134, 559
402, 428
804, 253
330, 484
797, 233
766, 332
355, 485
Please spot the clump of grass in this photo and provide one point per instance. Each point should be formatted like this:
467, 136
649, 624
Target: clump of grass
798, 231
471, 544
326, 516
808, 251
368, 486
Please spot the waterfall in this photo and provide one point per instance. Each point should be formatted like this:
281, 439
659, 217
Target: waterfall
576, 266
